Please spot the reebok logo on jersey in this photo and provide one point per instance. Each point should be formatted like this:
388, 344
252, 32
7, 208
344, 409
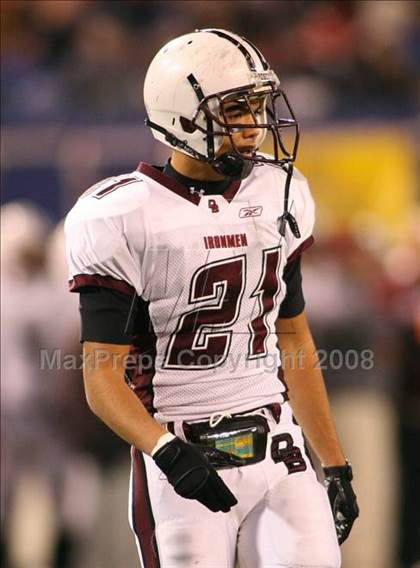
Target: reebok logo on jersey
226, 241
250, 211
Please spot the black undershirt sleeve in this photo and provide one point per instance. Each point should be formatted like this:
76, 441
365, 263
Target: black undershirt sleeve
104, 315
294, 302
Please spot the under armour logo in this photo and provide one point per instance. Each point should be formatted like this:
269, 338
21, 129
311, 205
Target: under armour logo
213, 206
199, 192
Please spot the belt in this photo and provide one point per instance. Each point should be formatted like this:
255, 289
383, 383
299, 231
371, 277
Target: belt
234, 441
273, 407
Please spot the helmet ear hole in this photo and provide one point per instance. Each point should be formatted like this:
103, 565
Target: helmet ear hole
187, 125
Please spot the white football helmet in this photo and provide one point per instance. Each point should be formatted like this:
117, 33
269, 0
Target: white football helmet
187, 85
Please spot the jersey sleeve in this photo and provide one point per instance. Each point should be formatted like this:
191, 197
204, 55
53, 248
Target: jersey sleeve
302, 207
98, 255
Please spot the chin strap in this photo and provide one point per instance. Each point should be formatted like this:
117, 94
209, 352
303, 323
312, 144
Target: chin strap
176, 142
229, 165
287, 217
232, 166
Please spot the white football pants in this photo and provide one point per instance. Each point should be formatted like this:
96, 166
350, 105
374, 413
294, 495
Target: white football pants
282, 519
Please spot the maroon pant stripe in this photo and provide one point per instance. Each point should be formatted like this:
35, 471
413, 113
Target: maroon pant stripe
143, 521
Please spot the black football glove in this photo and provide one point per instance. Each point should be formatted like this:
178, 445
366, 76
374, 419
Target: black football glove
192, 475
342, 498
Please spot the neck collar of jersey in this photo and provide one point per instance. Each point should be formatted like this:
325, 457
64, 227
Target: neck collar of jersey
208, 187
156, 173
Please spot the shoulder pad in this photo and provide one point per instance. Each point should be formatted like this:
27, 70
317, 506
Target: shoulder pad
111, 197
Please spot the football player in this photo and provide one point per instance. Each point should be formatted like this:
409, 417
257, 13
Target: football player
197, 349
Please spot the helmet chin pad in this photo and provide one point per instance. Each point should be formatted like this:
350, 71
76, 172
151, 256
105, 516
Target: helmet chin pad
232, 166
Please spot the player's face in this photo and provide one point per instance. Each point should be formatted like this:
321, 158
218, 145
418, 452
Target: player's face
244, 140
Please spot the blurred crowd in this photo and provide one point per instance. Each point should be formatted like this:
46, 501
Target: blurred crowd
83, 60
67, 65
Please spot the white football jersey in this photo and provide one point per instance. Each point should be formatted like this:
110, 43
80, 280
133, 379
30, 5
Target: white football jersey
210, 269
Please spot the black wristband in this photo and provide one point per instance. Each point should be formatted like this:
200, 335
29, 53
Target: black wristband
339, 471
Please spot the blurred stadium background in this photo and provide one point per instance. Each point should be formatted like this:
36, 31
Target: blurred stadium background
72, 114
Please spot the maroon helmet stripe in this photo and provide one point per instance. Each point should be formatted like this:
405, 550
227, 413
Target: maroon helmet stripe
258, 52
248, 57
142, 514
306, 244
80, 281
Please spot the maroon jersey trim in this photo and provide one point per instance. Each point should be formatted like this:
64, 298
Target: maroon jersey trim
79, 281
142, 513
140, 368
231, 191
140, 376
306, 244
120, 183
157, 175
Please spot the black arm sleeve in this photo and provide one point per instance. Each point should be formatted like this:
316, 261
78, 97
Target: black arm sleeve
104, 315
294, 302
